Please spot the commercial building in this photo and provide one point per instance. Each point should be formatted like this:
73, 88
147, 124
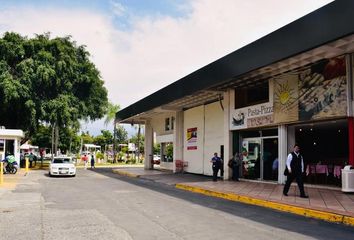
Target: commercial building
294, 85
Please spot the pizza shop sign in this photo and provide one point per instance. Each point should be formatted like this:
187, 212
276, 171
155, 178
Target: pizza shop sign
253, 116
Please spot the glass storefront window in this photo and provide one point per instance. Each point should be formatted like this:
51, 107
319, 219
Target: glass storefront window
324, 146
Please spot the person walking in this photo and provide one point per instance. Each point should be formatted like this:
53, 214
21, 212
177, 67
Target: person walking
92, 161
216, 164
294, 170
85, 159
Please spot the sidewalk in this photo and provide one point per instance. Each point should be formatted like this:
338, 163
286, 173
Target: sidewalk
11, 181
326, 204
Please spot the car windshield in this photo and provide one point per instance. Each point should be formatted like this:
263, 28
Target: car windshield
62, 160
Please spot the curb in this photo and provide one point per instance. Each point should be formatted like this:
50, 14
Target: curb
326, 216
127, 174
12, 182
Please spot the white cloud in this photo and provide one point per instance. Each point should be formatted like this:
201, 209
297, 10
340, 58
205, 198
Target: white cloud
117, 8
157, 51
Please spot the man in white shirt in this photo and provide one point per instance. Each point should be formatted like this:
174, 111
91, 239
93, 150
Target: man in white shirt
295, 165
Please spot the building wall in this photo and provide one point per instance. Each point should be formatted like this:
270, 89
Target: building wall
214, 134
194, 118
209, 121
158, 124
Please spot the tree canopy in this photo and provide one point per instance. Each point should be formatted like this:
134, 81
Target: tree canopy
50, 80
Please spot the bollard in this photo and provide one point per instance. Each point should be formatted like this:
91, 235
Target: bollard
2, 173
27, 164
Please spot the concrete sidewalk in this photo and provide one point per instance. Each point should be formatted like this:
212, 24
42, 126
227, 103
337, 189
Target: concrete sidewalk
328, 204
11, 181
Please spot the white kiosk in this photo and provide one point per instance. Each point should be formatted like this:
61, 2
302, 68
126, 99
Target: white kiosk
10, 143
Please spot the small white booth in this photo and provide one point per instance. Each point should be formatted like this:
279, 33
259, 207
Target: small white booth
10, 143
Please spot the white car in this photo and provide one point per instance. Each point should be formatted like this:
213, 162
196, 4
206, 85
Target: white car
62, 166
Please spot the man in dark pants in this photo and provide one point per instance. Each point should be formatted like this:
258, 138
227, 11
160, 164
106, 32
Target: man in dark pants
216, 164
295, 165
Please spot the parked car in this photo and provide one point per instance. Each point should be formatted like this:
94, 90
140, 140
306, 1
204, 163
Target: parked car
156, 159
62, 166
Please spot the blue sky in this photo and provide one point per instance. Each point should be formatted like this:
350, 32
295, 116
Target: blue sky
140, 46
121, 11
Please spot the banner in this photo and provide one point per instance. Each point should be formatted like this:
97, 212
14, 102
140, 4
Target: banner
192, 138
314, 92
322, 90
286, 98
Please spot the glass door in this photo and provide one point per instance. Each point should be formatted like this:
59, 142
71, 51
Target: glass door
269, 164
260, 158
251, 151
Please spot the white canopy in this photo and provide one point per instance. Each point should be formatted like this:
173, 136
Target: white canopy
27, 146
87, 145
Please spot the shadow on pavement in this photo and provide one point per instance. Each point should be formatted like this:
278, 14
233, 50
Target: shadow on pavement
165, 184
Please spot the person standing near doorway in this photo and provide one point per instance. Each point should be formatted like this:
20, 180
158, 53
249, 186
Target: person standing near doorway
216, 164
234, 164
295, 167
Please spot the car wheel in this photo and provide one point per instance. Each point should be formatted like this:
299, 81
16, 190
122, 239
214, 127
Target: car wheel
49, 174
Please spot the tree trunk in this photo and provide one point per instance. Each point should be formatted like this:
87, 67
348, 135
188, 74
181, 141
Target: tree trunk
138, 142
53, 127
114, 142
56, 139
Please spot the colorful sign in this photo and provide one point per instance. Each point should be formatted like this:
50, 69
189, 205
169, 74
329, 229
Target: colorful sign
322, 90
192, 138
315, 92
252, 116
286, 98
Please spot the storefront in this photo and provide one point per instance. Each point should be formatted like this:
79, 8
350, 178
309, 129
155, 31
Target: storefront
293, 86
311, 102
324, 146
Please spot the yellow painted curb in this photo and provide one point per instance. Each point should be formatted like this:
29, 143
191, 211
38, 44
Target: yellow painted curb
327, 216
127, 174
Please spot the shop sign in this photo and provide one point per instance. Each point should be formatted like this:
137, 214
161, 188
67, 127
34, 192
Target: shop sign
252, 116
260, 121
192, 138
315, 92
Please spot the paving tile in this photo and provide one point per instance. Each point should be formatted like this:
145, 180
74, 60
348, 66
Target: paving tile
332, 200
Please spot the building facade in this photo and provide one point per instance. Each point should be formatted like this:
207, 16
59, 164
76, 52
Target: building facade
294, 85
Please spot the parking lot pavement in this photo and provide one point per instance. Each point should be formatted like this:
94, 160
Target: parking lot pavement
328, 204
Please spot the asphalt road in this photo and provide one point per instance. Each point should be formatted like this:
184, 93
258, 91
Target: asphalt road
102, 205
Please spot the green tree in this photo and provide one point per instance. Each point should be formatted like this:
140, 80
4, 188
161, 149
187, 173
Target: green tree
111, 113
69, 140
110, 116
48, 80
138, 141
86, 138
121, 134
42, 137
157, 148
104, 139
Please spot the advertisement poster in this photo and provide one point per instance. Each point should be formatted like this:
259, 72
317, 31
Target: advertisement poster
286, 98
315, 92
192, 138
322, 90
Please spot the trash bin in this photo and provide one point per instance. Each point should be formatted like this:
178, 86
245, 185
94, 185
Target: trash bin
348, 179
